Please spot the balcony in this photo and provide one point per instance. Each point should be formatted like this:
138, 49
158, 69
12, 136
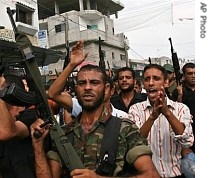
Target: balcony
91, 14
25, 28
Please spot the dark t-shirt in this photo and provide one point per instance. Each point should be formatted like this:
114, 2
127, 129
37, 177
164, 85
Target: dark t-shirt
188, 99
118, 103
27, 116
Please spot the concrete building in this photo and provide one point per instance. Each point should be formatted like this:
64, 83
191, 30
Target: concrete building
25, 16
67, 21
51, 24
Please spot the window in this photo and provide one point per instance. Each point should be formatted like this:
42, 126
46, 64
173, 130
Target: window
60, 28
24, 14
122, 57
92, 27
113, 55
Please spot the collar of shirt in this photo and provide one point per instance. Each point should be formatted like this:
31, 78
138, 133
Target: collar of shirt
168, 101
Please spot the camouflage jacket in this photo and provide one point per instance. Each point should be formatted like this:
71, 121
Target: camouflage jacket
130, 144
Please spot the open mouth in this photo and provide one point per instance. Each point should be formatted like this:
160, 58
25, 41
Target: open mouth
152, 93
88, 96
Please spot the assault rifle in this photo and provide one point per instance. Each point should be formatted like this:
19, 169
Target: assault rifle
65, 148
178, 73
101, 56
150, 62
70, 83
110, 70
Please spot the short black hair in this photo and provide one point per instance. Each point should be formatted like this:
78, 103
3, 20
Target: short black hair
90, 67
156, 66
126, 69
187, 65
138, 82
110, 81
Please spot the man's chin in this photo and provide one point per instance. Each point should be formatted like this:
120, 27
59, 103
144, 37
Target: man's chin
152, 99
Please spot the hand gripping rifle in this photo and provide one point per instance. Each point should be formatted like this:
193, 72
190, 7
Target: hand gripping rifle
65, 148
176, 66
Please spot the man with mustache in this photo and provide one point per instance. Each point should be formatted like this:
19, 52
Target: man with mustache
166, 124
127, 95
88, 129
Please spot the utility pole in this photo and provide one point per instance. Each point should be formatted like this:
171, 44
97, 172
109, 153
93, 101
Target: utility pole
66, 30
66, 61
126, 47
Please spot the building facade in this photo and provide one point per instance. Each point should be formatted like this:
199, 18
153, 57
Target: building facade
25, 17
68, 21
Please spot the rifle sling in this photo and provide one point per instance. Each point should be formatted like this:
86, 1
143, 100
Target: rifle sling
109, 147
32, 69
65, 148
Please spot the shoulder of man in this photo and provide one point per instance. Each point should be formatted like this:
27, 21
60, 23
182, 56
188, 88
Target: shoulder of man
127, 121
124, 121
140, 96
115, 98
70, 126
119, 113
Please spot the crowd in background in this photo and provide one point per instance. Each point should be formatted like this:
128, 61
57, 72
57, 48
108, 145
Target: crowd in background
157, 123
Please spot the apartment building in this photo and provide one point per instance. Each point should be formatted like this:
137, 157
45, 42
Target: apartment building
25, 16
67, 21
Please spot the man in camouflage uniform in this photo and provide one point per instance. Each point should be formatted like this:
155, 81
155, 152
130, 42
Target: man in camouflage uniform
88, 130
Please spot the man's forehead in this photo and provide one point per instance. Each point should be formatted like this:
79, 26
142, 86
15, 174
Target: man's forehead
126, 72
89, 74
152, 72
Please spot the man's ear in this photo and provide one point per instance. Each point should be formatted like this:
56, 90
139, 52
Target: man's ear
166, 83
112, 91
107, 86
2, 82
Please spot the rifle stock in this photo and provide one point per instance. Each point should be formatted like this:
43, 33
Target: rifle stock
65, 148
176, 66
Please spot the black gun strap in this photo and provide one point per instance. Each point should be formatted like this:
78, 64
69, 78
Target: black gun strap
109, 146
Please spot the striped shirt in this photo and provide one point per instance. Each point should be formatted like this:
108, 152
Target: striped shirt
165, 145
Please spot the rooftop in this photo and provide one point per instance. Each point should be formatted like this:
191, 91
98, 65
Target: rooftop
46, 8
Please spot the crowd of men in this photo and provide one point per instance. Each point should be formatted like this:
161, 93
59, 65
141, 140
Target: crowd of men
150, 134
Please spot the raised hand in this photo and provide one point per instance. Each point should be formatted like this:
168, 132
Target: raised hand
77, 53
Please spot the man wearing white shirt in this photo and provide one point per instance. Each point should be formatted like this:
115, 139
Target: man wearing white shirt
166, 124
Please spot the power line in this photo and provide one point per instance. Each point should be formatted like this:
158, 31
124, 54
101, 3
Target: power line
149, 8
